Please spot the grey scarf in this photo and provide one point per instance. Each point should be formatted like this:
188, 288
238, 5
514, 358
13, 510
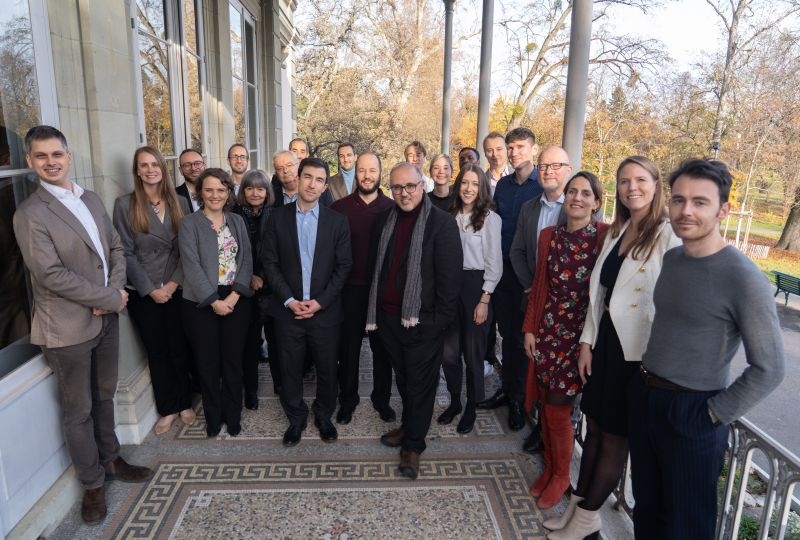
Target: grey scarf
412, 293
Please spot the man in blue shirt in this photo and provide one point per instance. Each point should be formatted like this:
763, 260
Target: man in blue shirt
511, 193
306, 257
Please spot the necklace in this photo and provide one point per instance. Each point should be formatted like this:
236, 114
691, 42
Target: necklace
155, 206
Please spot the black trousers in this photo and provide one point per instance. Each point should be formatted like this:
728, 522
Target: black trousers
218, 345
297, 338
507, 302
416, 356
676, 459
274, 350
355, 319
471, 341
160, 329
252, 350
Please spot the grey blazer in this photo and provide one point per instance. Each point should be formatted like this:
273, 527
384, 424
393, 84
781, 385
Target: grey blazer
152, 258
524, 246
200, 259
66, 272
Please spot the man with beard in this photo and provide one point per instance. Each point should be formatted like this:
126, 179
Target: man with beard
362, 208
239, 161
191, 164
343, 183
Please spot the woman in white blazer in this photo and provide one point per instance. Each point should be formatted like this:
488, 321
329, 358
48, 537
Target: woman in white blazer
615, 336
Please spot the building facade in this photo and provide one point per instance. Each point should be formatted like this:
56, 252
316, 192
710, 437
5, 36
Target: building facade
114, 76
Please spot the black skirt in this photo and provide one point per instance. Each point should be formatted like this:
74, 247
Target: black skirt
605, 392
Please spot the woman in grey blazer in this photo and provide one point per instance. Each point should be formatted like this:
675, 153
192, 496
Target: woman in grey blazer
147, 220
217, 268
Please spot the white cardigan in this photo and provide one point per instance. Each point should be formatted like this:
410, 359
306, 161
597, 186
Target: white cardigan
632, 310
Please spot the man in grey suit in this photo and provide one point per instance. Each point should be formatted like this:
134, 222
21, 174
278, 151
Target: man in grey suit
540, 212
77, 271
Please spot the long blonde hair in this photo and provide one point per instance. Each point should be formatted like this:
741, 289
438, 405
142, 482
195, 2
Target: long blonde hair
649, 227
139, 212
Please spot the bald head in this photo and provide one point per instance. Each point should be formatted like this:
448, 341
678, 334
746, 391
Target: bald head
554, 171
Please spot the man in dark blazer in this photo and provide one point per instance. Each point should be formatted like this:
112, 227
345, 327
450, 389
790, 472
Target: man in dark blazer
307, 257
77, 271
540, 212
191, 164
416, 264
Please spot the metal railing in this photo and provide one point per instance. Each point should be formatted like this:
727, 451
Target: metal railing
780, 471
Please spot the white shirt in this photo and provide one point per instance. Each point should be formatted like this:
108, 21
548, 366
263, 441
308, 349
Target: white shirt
72, 201
429, 185
482, 249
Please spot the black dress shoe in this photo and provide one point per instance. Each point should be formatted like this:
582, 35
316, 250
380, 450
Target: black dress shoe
344, 416
467, 421
533, 443
449, 413
516, 419
327, 431
212, 431
497, 400
234, 430
251, 401
386, 413
293, 434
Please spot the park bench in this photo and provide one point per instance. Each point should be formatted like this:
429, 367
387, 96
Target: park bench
786, 284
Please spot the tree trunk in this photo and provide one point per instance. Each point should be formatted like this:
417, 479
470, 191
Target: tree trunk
790, 237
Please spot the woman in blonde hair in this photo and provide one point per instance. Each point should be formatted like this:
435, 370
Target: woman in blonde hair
147, 220
614, 337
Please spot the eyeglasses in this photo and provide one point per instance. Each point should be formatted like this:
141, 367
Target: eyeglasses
409, 188
192, 164
238, 157
552, 166
285, 168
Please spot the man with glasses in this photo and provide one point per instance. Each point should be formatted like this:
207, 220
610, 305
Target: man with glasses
285, 181
416, 280
191, 164
239, 161
543, 211
511, 193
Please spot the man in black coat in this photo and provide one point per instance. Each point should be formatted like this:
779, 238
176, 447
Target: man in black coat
306, 257
416, 266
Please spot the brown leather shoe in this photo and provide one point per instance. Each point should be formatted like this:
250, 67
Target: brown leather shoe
121, 470
409, 464
93, 506
393, 438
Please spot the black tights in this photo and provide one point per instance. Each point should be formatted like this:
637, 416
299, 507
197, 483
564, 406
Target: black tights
602, 462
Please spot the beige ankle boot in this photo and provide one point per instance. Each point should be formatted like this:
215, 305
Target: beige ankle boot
582, 524
559, 522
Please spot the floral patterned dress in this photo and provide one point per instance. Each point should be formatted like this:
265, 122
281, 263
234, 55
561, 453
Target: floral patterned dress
570, 260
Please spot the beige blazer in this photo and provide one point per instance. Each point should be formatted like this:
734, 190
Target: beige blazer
66, 271
632, 310
337, 188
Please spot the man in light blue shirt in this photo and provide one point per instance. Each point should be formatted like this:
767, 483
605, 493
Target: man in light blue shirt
306, 257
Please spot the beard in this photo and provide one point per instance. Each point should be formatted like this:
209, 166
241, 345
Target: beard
375, 187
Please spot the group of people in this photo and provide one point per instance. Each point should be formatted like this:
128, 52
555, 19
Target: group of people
312, 261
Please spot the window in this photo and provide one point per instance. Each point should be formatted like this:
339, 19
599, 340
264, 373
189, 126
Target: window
170, 51
243, 71
26, 99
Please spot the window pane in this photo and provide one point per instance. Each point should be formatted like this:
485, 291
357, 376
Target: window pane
19, 90
155, 93
15, 316
190, 26
194, 93
150, 17
252, 120
236, 42
250, 41
238, 109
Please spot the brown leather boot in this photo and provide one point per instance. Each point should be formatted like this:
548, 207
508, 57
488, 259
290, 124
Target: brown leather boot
393, 438
121, 470
409, 464
93, 506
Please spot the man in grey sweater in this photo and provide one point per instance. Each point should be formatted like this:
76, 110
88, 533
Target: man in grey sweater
709, 298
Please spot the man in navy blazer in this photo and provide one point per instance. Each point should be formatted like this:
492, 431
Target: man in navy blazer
306, 256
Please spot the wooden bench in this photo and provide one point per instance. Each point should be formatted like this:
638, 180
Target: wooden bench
786, 284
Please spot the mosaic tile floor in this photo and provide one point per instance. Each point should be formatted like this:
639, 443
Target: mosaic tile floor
250, 486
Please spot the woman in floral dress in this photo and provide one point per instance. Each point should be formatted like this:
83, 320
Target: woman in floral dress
553, 323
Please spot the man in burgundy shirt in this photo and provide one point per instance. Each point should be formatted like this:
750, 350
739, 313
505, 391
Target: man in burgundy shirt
416, 279
362, 208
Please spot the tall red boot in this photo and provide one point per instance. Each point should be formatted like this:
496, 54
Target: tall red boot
561, 441
544, 479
